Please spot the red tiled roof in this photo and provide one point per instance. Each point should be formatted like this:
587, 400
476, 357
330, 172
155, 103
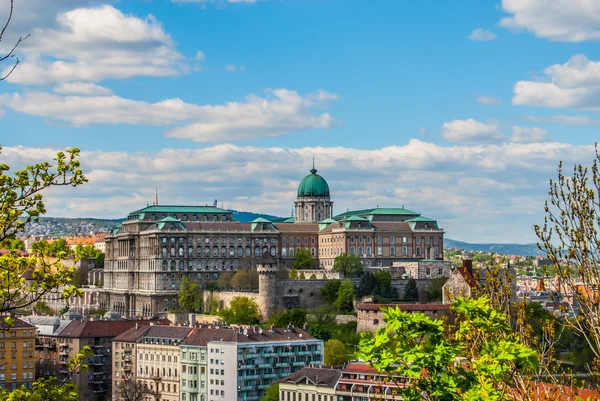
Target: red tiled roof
467, 276
319, 376
101, 328
203, 335
404, 307
19, 324
359, 367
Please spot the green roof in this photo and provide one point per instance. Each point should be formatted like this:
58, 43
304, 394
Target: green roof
260, 220
325, 223
420, 218
397, 211
313, 185
170, 219
355, 218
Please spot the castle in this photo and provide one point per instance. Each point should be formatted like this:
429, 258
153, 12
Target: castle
148, 254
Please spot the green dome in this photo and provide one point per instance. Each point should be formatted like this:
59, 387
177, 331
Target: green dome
313, 185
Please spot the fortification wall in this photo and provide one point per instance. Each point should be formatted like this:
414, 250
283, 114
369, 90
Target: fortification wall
224, 298
329, 275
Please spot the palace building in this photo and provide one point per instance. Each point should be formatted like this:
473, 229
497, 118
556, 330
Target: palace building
149, 253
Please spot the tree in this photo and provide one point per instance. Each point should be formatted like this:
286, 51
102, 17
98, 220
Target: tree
335, 353
296, 317
322, 322
347, 264
245, 280
569, 236
10, 54
411, 292
133, 390
345, 296
303, 260
242, 310
15, 244
480, 360
302, 276
21, 202
224, 280
313, 277
42, 390
271, 393
435, 288
87, 252
293, 274
378, 284
42, 308
190, 298
58, 247
330, 291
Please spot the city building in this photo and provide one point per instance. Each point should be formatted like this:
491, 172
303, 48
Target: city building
46, 349
369, 316
96, 383
151, 355
230, 364
16, 354
356, 382
148, 254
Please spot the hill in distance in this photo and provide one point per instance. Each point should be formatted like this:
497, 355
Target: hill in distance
504, 249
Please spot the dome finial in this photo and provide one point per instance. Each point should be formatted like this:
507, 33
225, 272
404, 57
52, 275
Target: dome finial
313, 170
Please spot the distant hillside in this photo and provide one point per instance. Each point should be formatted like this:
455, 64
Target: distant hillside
60, 226
504, 249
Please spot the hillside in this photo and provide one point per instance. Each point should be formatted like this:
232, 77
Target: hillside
504, 249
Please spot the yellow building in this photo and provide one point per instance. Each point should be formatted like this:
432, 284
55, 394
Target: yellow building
17, 354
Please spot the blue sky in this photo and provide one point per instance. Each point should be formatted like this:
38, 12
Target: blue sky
459, 110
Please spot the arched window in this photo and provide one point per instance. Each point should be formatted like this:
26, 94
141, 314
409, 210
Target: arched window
207, 251
368, 251
153, 217
181, 265
190, 265
185, 217
435, 252
240, 251
256, 251
164, 252
360, 251
291, 252
190, 251
392, 251
215, 251
215, 217
272, 251
248, 251
172, 265
418, 251
195, 217
180, 251
404, 251
352, 250
205, 217
164, 264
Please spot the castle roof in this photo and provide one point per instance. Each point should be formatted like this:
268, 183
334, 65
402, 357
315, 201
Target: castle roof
313, 185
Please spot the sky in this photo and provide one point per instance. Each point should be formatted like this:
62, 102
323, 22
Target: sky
460, 111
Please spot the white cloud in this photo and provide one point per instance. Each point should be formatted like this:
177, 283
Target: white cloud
529, 135
200, 56
467, 188
230, 67
556, 20
92, 44
481, 35
563, 119
471, 131
82, 88
575, 84
280, 112
489, 100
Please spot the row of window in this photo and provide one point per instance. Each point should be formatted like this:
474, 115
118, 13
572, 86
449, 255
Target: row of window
14, 334
26, 354
14, 344
430, 252
26, 375
193, 217
215, 240
14, 365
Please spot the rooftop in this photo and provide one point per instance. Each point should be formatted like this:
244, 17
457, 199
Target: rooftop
326, 377
203, 335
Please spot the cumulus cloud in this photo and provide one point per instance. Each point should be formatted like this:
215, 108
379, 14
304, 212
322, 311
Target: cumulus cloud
471, 131
564, 119
458, 185
556, 20
92, 44
200, 56
482, 35
575, 84
529, 135
82, 88
279, 112
489, 100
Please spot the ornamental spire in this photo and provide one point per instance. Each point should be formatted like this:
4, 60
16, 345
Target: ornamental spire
313, 170
156, 197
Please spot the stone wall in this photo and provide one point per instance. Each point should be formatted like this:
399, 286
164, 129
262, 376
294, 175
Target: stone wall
224, 298
319, 273
423, 269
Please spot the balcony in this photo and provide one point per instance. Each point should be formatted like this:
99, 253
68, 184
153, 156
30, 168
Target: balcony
127, 358
299, 363
127, 367
281, 365
64, 351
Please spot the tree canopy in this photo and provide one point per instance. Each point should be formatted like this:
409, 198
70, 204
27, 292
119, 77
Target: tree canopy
190, 298
345, 297
347, 264
303, 260
335, 353
242, 310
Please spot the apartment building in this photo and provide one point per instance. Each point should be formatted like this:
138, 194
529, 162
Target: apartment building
150, 355
16, 354
96, 383
230, 364
357, 382
47, 329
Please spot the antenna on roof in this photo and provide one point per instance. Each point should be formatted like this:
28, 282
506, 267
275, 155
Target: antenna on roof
215, 204
156, 197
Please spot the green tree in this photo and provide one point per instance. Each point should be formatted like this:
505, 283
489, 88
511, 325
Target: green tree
335, 353
242, 310
347, 264
313, 277
322, 322
59, 248
293, 274
224, 280
245, 280
435, 289
330, 291
303, 260
190, 298
15, 244
481, 359
296, 317
345, 296
88, 252
42, 390
411, 292
42, 308
21, 202
302, 276
271, 393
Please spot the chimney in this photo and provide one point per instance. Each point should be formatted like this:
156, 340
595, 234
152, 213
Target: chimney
468, 265
136, 325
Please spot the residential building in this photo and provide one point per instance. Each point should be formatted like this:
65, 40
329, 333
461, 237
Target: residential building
152, 356
148, 255
357, 382
46, 349
16, 354
461, 283
96, 383
230, 364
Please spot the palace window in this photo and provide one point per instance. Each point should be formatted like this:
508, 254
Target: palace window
435, 240
291, 252
195, 217
380, 240
368, 251
418, 240
418, 251
360, 251
392, 251
427, 240
392, 239
185, 217
352, 250
404, 251
379, 251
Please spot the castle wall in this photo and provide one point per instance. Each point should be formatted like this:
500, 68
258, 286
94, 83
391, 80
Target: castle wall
319, 273
224, 298
422, 269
